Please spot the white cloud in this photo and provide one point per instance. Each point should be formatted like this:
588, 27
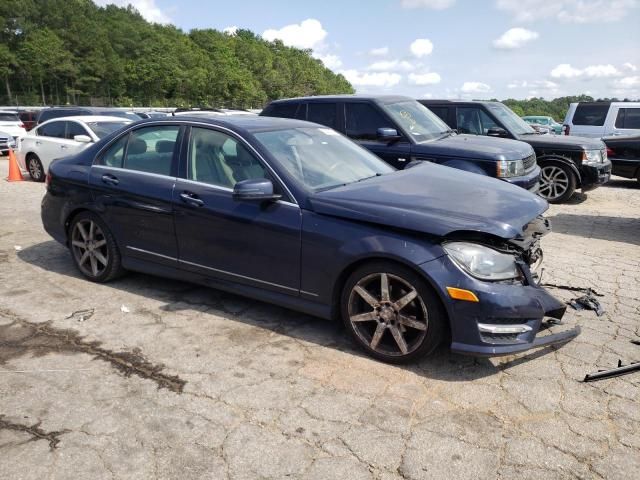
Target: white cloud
421, 47
432, 4
475, 87
430, 78
564, 70
330, 61
377, 79
627, 83
568, 11
386, 65
514, 38
379, 52
541, 84
147, 8
306, 34
232, 30
630, 66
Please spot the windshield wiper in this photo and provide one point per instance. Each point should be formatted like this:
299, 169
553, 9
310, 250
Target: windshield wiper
367, 178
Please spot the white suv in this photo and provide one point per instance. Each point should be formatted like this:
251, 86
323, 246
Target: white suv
602, 119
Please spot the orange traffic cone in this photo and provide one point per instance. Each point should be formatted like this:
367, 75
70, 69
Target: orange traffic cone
14, 170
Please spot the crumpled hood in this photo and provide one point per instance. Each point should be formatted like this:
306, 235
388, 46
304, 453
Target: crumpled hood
474, 146
434, 199
562, 142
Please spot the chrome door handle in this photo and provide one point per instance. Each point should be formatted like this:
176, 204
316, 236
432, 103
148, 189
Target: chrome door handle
110, 179
191, 199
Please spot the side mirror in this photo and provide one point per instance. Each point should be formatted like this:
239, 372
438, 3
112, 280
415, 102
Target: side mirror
255, 189
82, 138
496, 132
388, 134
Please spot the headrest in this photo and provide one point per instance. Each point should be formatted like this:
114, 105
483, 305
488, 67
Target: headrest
164, 146
136, 147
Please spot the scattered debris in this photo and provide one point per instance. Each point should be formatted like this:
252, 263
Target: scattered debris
124, 309
614, 372
573, 289
21, 337
82, 315
34, 431
17, 247
587, 302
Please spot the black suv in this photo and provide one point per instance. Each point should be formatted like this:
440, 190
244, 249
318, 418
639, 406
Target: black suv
567, 163
400, 130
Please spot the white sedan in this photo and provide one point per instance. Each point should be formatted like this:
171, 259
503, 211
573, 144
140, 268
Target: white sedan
62, 137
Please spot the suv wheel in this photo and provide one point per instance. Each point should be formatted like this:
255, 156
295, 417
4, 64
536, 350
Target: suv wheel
391, 312
94, 249
36, 171
557, 182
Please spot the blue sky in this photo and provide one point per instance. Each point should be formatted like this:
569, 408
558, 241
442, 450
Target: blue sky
444, 48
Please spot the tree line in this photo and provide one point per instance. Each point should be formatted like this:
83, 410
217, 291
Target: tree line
74, 52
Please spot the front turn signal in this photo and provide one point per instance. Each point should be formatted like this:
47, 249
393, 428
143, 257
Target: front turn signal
461, 294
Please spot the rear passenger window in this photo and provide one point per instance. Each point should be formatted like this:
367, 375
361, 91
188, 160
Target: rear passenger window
115, 155
592, 115
283, 110
53, 129
363, 121
628, 118
322, 113
151, 149
441, 112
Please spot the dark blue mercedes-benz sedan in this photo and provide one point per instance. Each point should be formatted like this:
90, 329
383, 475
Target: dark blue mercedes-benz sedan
296, 214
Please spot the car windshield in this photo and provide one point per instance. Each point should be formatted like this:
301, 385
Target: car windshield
417, 120
102, 129
510, 120
321, 158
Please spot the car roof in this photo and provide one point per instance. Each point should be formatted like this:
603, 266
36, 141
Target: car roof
249, 123
444, 100
384, 99
89, 118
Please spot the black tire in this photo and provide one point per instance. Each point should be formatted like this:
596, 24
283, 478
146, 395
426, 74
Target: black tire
34, 165
98, 259
424, 311
557, 182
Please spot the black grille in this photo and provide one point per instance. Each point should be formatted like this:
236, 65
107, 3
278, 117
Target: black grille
529, 162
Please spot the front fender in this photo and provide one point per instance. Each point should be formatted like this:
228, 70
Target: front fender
465, 165
564, 160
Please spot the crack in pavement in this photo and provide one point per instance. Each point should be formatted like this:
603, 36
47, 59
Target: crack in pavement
34, 431
21, 337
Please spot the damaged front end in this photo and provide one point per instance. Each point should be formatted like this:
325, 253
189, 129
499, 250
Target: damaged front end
508, 310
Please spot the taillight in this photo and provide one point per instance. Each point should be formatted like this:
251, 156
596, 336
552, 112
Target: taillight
47, 179
22, 125
610, 152
566, 129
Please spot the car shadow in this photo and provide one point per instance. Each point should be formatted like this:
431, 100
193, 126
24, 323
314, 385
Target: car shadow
603, 227
620, 182
177, 295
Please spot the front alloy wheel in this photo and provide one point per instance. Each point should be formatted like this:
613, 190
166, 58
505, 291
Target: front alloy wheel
388, 313
557, 183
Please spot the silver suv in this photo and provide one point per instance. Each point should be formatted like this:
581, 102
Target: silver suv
602, 119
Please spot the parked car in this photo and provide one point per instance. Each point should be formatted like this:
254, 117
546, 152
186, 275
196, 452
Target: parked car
544, 121
567, 163
602, 119
11, 124
151, 114
6, 142
296, 214
60, 138
28, 118
60, 112
400, 130
624, 153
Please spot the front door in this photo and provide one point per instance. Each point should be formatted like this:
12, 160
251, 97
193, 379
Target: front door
248, 242
133, 185
362, 121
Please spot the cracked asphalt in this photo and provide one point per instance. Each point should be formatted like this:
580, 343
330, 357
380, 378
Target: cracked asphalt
188, 382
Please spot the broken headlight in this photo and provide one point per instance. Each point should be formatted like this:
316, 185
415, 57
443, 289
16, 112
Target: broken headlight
482, 262
510, 168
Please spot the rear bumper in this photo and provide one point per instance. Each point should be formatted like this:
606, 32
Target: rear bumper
530, 181
506, 319
625, 168
593, 176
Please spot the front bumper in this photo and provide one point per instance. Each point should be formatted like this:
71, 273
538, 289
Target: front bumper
501, 304
594, 175
530, 181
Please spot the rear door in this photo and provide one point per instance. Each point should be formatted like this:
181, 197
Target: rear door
47, 142
627, 121
589, 119
70, 146
133, 181
362, 121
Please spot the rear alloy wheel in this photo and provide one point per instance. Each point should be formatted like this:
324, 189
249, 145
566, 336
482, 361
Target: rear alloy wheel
557, 182
94, 250
36, 171
392, 313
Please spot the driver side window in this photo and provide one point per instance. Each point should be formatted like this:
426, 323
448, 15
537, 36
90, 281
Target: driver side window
474, 121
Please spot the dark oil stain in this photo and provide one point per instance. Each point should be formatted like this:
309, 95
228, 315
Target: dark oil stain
34, 431
21, 337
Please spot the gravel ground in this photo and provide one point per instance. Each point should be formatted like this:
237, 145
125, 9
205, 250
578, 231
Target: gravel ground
147, 377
